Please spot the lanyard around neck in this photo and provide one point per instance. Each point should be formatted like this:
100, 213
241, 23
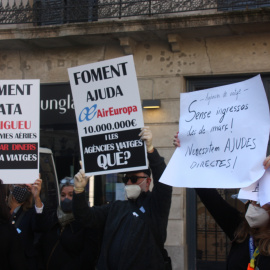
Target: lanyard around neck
251, 247
251, 265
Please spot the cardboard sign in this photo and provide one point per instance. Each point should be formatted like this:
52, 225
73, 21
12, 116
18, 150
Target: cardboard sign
224, 133
19, 131
109, 116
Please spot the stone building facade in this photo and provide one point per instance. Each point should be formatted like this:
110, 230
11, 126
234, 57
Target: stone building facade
169, 51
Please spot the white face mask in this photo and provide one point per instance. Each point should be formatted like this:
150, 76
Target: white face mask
143, 185
134, 191
256, 216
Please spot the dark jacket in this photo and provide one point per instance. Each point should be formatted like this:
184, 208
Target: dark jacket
229, 219
67, 246
11, 251
25, 223
129, 242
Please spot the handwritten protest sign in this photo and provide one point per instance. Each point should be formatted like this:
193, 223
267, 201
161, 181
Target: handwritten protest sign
258, 191
19, 131
224, 133
109, 116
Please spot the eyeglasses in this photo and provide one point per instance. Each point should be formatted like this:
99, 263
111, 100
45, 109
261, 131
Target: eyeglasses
133, 178
67, 181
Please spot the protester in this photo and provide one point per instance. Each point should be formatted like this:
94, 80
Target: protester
250, 234
24, 216
65, 244
134, 230
11, 251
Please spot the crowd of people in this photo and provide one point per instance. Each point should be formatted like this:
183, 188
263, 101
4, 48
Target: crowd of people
122, 235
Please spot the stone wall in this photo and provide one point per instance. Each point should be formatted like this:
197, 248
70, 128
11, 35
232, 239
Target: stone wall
162, 71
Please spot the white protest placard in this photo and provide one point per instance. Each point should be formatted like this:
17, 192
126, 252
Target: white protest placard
224, 133
258, 191
19, 131
109, 116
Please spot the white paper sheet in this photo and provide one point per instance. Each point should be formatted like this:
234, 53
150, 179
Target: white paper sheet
258, 191
224, 133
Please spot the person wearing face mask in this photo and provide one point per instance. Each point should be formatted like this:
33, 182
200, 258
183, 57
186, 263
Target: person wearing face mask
249, 234
10, 244
24, 217
65, 244
135, 229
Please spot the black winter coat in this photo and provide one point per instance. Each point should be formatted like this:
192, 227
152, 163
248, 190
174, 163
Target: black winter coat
129, 242
11, 251
67, 247
26, 224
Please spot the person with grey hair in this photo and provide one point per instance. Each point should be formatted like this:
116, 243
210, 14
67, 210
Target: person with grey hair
135, 229
65, 244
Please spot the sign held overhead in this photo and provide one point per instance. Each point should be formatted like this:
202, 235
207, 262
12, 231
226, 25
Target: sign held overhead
109, 116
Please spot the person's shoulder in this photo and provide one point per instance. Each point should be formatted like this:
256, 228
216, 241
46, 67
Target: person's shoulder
29, 211
118, 204
111, 206
7, 228
264, 258
263, 262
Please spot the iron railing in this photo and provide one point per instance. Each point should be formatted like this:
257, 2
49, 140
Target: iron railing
41, 12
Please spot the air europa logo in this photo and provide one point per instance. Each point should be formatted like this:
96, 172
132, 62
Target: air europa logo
116, 111
88, 113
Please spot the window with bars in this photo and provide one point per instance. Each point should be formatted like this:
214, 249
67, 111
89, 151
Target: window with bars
49, 12
231, 5
212, 244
